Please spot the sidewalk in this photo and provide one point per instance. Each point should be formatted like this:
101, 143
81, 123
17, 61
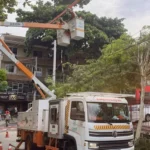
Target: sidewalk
14, 121
2, 122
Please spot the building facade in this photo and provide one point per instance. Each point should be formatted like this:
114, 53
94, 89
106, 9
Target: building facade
20, 90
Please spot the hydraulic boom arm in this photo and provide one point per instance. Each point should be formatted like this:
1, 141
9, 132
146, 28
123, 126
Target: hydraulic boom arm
34, 25
38, 84
50, 25
44, 25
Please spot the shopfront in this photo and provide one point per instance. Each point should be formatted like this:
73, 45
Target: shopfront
13, 101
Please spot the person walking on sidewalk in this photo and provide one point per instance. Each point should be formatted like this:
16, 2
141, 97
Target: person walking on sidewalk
0, 114
7, 119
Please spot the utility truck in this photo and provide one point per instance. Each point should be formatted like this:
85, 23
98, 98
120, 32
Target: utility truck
80, 121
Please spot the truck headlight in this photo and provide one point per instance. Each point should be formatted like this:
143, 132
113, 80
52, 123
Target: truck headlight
93, 145
131, 143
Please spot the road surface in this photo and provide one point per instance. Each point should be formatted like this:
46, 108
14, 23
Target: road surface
12, 132
10, 140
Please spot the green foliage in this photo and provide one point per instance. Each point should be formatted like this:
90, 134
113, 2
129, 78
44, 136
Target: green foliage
143, 144
61, 89
66, 2
115, 63
98, 30
120, 64
3, 82
143, 60
115, 71
6, 6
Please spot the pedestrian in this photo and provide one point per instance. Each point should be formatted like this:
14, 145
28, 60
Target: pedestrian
0, 114
7, 112
7, 119
16, 111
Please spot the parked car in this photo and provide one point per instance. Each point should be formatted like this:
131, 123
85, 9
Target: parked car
134, 112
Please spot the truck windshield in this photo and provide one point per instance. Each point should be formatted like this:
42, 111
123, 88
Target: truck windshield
108, 112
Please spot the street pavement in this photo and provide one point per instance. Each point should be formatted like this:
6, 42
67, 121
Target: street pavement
12, 125
12, 134
10, 140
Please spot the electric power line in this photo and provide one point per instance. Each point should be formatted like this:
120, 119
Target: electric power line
130, 46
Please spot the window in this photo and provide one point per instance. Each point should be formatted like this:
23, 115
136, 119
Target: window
107, 112
20, 88
14, 50
37, 54
15, 86
77, 111
53, 115
49, 72
39, 72
26, 88
10, 68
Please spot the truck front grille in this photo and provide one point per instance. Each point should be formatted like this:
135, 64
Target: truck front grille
110, 134
113, 145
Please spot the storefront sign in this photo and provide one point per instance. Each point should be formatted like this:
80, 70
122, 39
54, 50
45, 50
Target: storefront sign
12, 97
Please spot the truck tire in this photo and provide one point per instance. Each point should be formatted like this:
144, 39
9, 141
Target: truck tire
29, 145
71, 146
40, 148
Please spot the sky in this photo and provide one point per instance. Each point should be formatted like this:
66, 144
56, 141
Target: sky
135, 12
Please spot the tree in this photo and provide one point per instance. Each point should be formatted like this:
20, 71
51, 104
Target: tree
3, 82
6, 6
115, 71
64, 2
101, 74
143, 59
98, 30
81, 3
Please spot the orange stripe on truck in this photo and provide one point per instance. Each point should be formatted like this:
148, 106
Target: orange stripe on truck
110, 127
24, 69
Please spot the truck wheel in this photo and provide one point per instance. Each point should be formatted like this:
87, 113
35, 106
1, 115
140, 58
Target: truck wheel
29, 145
147, 117
71, 148
40, 148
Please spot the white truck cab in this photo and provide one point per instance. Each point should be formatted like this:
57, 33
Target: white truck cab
92, 121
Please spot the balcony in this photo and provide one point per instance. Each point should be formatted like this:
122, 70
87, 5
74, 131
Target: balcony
17, 77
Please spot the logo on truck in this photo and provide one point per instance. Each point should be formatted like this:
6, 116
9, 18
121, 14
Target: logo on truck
114, 134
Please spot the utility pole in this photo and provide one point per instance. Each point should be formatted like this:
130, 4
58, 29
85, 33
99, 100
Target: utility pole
62, 65
35, 69
1, 57
54, 62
